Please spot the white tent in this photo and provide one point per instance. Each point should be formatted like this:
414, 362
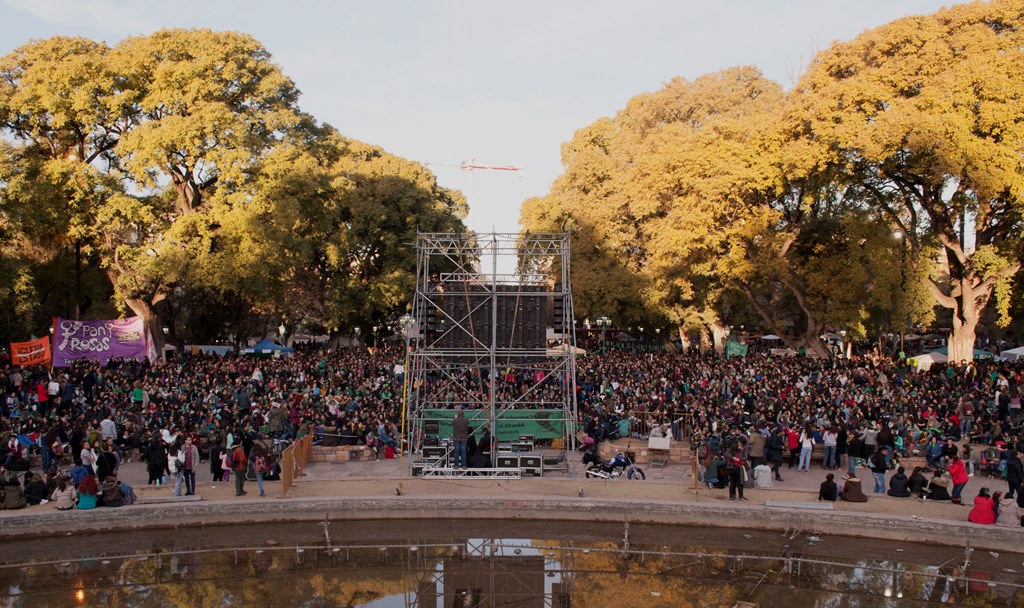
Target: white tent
924, 362
1012, 354
770, 337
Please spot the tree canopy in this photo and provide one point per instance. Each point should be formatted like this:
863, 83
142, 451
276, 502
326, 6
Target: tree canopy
824, 207
183, 167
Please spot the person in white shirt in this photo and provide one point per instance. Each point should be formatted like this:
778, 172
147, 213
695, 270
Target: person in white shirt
806, 447
88, 456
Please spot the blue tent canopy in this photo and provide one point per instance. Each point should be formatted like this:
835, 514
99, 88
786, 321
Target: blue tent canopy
266, 346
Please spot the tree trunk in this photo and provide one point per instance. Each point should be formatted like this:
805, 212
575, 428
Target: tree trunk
151, 320
719, 335
704, 341
684, 339
812, 339
965, 320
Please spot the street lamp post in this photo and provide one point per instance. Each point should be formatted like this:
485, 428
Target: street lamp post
405, 324
604, 323
898, 235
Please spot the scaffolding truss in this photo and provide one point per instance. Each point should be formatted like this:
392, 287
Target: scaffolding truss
492, 332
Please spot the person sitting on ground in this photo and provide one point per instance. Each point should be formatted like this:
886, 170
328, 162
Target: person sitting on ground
899, 484
852, 491
984, 511
35, 489
14, 496
828, 490
64, 495
1008, 513
938, 487
712, 477
110, 492
918, 483
762, 475
87, 491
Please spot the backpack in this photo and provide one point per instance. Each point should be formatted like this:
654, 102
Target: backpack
128, 496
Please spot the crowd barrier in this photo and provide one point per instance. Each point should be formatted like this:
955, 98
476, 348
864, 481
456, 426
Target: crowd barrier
294, 458
640, 423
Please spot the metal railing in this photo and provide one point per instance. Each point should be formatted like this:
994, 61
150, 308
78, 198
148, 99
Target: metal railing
640, 423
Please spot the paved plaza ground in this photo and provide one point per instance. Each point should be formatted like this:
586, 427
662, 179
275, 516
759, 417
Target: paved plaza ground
669, 484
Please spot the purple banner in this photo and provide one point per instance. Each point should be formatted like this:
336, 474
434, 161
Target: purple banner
98, 340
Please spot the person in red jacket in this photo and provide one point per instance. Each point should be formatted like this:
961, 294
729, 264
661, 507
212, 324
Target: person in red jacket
793, 443
958, 475
239, 465
984, 511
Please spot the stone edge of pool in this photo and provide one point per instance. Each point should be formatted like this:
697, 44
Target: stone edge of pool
30, 524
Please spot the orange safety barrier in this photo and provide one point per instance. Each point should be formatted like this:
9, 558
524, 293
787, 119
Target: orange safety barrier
294, 459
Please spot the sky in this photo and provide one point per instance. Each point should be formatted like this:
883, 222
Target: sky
495, 83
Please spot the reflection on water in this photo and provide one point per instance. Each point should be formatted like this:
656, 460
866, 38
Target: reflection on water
334, 565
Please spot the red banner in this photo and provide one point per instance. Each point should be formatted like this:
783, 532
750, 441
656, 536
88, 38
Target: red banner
31, 353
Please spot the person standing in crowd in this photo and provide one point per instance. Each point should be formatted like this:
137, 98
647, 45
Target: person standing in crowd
806, 449
829, 439
756, 447
879, 467
156, 461
737, 471
88, 456
216, 468
1014, 477
460, 438
188, 460
793, 443
239, 465
260, 466
957, 475
774, 448
174, 468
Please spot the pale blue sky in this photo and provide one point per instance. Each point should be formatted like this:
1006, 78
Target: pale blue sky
503, 83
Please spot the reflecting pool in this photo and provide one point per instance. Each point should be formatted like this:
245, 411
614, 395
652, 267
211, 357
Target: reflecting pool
464, 564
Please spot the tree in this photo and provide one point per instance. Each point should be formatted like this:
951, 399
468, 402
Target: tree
205, 107
329, 229
924, 115
191, 108
685, 189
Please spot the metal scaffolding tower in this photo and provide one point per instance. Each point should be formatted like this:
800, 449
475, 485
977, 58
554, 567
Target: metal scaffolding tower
492, 332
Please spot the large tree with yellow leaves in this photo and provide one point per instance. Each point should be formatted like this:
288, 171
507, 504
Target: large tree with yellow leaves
925, 115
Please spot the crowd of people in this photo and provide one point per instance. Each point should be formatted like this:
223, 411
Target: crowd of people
747, 418
754, 418
233, 413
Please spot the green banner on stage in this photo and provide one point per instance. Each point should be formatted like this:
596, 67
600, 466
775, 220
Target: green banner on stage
542, 424
735, 349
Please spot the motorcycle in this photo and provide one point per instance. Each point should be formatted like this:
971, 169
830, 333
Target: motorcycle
614, 468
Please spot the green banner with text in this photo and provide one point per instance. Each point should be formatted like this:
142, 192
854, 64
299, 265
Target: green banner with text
542, 424
735, 349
